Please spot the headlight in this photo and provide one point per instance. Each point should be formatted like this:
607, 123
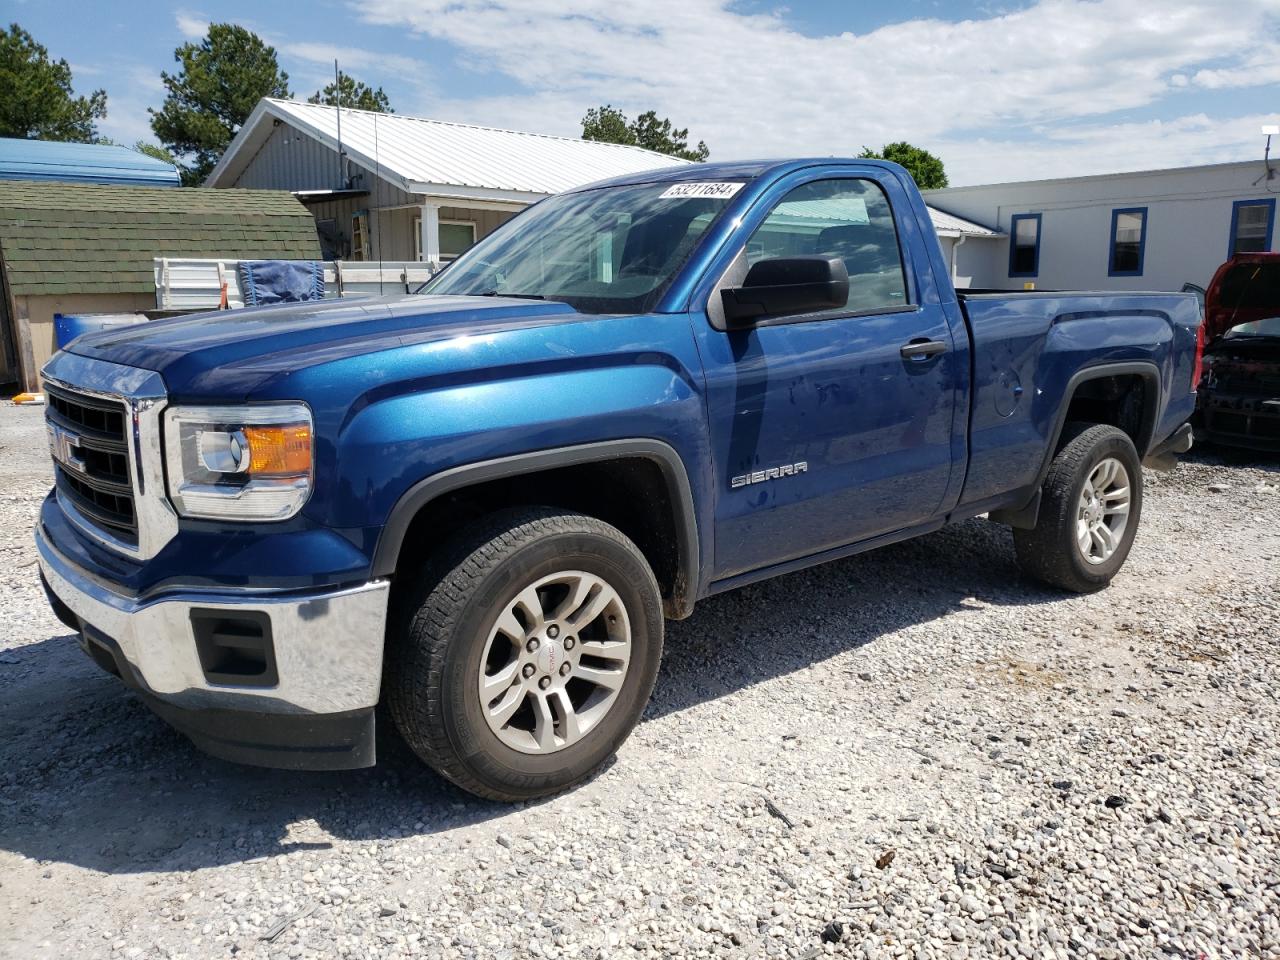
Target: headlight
239, 463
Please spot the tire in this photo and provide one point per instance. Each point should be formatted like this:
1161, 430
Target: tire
471, 615
1052, 551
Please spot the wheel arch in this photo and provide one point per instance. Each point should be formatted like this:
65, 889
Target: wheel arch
1139, 424
680, 583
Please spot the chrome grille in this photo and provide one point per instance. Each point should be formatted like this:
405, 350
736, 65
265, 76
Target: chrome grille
89, 439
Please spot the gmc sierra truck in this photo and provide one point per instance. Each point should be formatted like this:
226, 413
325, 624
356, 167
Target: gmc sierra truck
474, 507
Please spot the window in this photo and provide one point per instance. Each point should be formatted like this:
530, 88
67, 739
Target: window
456, 238
360, 235
850, 219
1251, 223
1024, 245
1128, 242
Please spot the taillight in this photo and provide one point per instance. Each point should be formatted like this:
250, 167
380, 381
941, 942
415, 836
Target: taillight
1198, 370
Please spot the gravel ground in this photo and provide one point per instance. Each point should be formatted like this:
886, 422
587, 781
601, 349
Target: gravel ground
910, 753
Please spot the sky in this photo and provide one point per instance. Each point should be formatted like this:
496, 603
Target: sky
999, 90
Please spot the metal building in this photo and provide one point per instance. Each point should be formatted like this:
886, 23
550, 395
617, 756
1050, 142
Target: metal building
1150, 230
394, 187
82, 163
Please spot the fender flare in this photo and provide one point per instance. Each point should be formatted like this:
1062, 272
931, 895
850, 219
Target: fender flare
679, 492
1150, 407
1026, 515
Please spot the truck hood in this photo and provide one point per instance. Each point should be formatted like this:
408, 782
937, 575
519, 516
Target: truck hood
1246, 288
233, 351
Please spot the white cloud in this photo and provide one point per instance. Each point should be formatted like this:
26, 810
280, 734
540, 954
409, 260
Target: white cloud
349, 58
310, 63
751, 86
1106, 148
1261, 68
131, 89
193, 26
127, 120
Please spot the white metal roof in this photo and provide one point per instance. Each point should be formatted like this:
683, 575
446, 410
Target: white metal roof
462, 161
442, 158
949, 225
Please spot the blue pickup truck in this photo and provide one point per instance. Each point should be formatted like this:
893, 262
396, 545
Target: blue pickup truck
474, 508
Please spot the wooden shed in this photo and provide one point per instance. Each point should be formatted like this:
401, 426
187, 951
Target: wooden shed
90, 248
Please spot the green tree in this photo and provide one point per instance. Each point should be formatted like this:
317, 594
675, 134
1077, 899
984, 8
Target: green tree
346, 91
221, 80
608, 124
37, 102
924, 167
154, 152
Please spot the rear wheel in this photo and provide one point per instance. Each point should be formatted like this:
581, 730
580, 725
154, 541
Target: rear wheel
523, 659
1090, 506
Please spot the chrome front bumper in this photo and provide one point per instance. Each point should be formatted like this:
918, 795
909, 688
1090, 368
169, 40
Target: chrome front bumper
327, 645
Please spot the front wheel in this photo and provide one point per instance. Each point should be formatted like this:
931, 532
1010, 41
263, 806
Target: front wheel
523, 659
1089, 510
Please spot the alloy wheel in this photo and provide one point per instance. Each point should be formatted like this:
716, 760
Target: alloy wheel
1103, 511
554, 662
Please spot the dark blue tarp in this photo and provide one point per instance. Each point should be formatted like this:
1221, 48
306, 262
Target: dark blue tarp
281, 281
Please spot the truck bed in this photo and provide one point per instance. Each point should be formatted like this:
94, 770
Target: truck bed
1027, 347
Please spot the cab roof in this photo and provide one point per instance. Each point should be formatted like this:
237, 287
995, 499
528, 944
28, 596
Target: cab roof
732, 170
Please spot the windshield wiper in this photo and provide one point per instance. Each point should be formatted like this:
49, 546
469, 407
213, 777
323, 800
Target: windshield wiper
517, 296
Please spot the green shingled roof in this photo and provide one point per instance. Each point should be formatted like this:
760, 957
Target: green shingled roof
59, 238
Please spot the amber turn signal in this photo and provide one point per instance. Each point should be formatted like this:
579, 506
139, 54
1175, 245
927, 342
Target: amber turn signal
279, 450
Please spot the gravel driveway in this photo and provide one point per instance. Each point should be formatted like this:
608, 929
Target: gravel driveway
909, 753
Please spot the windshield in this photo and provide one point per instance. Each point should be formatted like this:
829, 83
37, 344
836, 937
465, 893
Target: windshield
612, 250
1270, 327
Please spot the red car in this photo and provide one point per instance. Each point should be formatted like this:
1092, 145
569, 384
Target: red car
1239, 394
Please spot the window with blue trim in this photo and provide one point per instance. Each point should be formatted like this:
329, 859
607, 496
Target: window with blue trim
1252, 222
1128, 242
1024, 245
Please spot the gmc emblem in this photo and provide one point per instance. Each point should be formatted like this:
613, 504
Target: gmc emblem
64, 444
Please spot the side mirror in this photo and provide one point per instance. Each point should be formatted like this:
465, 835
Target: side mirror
786, 286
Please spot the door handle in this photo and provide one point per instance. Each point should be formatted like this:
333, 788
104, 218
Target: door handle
922, 349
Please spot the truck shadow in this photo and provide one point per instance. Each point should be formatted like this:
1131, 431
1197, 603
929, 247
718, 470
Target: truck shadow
89, 776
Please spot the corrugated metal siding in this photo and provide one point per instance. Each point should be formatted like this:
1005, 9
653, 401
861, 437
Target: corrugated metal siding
418, 150
291, 160
486, 221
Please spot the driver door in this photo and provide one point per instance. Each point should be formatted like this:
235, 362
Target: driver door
824, 431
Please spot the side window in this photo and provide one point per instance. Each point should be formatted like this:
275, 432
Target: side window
456, 238
1128, 242
1024, 245
1251, 226
850, 219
